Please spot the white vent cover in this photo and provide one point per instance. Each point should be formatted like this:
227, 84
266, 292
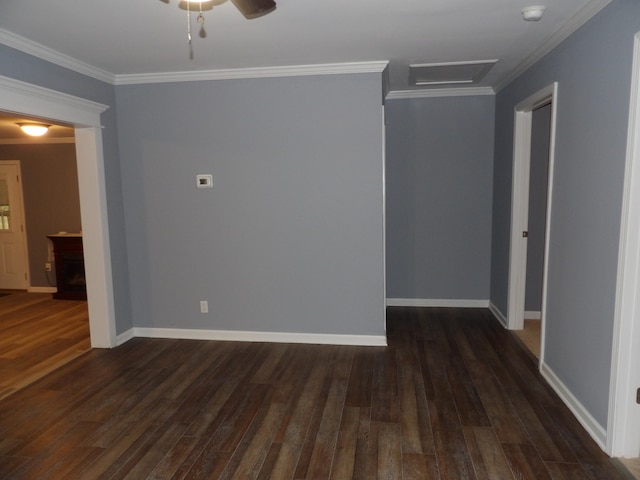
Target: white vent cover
449, 73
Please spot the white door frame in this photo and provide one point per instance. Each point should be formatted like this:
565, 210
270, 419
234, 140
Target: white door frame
23, 223
520, 205
24, 98
623, 423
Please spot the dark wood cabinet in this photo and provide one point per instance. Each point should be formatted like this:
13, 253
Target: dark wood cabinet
69, 261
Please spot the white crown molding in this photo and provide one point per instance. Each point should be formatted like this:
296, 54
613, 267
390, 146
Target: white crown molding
440, 92
437, 303
264, 72
45, 53
248, 336
574, 23
36, 140
18, 96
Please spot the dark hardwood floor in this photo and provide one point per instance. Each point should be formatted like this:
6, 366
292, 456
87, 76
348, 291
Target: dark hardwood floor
454, 396
37, 335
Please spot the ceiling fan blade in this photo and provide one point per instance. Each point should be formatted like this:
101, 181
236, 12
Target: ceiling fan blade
255, 8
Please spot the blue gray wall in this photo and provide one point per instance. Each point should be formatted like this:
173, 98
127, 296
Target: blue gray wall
593, 70
20, 66
290, 237
538, 180
439, 187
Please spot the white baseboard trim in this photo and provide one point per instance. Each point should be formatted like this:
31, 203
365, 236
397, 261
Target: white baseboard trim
276, 337
438, 303
124, 337
42, 289
532, 315
597, 432
498, 314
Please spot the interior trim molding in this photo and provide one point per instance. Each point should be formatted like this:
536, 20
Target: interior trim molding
249, 336
623, 422
597, 432
440, 92
48, 54
42, 289
18, 96
531, 315
263, 72
438, 303
574, 23
124, 337
36, 141
498, 314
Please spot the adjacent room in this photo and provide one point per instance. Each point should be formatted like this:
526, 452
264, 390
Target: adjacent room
318, 240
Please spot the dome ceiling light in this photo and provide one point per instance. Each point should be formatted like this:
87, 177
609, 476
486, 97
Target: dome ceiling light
34, 129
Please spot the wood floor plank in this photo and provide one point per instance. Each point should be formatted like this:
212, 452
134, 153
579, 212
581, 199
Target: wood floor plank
525, 462
419, 467
38, 335
452, 396
389, 451
343, 463
487, 454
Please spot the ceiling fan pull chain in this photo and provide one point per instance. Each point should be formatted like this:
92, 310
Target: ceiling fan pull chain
189, 31
200, 19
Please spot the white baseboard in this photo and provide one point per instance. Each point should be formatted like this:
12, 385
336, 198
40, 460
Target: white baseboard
532, 315
597, 432
124, 337
498, 314
42, 289
439, 303
244, 336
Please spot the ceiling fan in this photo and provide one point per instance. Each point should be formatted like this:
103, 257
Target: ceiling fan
249, 8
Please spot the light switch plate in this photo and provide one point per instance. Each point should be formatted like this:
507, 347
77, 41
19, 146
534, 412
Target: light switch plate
204, 180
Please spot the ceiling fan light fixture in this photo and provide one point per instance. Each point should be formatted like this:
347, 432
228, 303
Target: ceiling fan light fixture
34, 129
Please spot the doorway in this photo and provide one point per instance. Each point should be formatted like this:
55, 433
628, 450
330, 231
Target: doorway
536, 227
28, 99
623, 423
520, 212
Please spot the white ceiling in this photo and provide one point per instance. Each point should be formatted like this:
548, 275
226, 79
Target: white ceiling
120, 37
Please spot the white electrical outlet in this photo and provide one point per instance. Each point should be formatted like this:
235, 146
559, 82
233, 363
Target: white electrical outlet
204, 306
47, 267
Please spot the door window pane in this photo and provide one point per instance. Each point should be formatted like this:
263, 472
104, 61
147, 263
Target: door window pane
5, 223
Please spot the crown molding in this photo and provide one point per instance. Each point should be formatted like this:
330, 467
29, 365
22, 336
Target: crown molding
440, 92
574, 23
45, 53
18, 96
263, 72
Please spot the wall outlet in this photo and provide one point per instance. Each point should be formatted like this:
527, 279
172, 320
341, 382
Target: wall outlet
204, 306
47, 267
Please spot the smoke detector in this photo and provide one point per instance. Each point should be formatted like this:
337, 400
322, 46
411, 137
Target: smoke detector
533, 13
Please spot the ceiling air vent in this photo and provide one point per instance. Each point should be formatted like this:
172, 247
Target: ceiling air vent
449, 73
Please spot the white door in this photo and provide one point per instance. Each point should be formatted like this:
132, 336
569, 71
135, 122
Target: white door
13, 270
